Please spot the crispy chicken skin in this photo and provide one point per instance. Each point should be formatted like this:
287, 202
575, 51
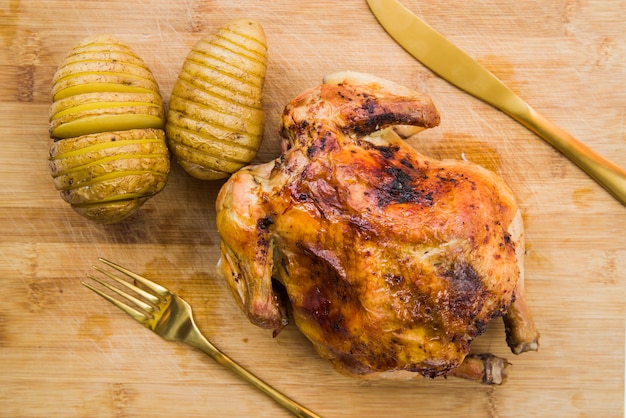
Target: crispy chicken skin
390, 260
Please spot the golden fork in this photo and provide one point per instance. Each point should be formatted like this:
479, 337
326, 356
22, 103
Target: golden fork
170, 317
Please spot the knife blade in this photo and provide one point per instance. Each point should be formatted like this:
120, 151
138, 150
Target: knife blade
449, 62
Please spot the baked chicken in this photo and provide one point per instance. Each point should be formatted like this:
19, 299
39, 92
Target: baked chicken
387, 260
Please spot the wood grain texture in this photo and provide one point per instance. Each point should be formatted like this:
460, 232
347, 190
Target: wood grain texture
65, 352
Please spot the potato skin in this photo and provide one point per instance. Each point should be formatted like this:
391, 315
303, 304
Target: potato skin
109, 153
215, 119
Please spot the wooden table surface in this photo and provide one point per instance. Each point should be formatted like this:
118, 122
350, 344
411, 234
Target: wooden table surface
65, 352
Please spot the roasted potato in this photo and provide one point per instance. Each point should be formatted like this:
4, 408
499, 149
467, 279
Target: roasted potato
109, 153
215, 118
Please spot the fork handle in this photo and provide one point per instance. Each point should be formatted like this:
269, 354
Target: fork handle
197, 340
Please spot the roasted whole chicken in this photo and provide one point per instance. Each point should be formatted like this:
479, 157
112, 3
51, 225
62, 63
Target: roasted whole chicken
388, 261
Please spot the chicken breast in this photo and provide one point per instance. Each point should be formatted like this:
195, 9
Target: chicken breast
391, 261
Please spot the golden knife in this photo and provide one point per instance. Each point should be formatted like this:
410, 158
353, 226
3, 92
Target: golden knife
455, 66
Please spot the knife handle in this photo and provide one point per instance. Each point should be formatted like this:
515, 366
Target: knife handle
609, 175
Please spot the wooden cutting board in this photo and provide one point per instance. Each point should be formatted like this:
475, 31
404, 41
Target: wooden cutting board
65, 352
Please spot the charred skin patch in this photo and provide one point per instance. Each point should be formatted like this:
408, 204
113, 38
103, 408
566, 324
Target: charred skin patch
387, 152
325, 142
264, 223
466, 296
464, 281
262, 232
373, 115
399, 181
400, 189
381, 120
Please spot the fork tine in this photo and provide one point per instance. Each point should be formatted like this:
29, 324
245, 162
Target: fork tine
141, 304
148, 296
148, 283
139, 316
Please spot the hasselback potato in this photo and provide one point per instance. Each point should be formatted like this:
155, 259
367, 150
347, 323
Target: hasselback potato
109, 153
215, 117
